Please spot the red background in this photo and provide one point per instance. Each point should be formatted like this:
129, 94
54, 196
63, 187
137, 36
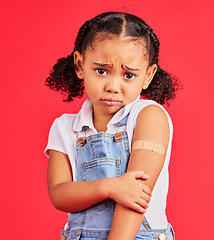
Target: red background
34, 34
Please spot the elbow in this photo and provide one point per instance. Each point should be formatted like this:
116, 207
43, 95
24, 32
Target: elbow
57, 201
60, 202
59, 205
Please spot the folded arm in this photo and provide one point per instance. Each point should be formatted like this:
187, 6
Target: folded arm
72, 196
152, 124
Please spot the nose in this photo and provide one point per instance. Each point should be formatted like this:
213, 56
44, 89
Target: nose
113, 85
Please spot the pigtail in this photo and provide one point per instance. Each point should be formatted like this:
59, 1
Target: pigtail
63, 77
162, 88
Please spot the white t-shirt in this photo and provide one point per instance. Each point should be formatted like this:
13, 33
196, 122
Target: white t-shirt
62, 137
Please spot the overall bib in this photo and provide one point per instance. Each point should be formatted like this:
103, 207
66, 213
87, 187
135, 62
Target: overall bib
100, 156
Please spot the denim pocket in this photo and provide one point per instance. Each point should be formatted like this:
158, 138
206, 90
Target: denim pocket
101, 168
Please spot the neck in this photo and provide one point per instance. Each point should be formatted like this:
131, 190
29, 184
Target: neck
100, 121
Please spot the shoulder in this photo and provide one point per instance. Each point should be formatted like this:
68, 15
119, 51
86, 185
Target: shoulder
64, 122
150, 114
148, 107
64, 118
61, 134
152, 118
147, 104
152, 124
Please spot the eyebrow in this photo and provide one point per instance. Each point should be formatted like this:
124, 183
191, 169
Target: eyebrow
110, 65
103, 64
128, 68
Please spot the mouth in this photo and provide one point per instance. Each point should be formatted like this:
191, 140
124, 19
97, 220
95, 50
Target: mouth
111, 101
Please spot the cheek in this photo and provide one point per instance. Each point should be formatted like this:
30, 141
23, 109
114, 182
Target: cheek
141, 81
91, 87
135, 86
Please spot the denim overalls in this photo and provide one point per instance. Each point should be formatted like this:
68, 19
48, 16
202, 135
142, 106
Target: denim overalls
100, 156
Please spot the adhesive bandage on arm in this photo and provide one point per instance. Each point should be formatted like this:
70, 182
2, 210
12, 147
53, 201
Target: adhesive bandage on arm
148, 145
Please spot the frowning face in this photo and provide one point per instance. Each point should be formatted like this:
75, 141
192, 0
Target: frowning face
114, 71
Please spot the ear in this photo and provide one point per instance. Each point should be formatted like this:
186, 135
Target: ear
78, 61
149, 75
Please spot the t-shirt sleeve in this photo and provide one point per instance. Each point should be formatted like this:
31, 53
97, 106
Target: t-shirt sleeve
55, 139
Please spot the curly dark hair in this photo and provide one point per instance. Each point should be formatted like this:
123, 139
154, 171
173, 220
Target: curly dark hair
63, 76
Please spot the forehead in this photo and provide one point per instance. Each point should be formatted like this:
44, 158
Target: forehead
113, 48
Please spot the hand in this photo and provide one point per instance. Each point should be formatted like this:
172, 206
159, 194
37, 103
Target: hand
128, 191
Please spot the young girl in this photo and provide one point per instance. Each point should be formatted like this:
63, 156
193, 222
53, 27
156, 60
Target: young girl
105, 161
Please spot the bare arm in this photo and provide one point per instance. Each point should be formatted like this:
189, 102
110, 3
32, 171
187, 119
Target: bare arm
152, 124
66, 194
70, 196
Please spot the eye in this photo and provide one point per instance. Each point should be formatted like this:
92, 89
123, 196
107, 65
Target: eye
101, 71
129, 75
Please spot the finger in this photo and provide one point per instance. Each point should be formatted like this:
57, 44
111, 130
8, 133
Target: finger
147, 190
137, 208
144, 176
139, 174
145, 196
143, 204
